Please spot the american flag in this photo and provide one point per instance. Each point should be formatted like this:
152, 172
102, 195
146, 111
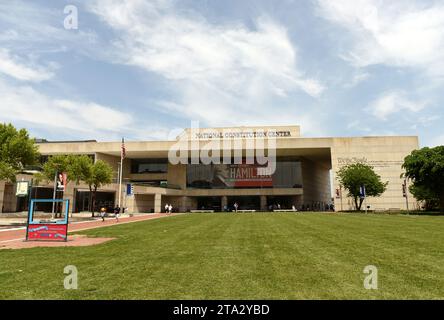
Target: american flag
123, 151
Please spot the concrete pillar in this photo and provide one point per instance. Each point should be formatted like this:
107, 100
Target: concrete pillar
223, 202
69, 194
183, 204
2, 195
264, 203
9, 203
157, 203
13, 198
131, 204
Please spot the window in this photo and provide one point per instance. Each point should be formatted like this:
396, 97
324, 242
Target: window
149, 165
221, 176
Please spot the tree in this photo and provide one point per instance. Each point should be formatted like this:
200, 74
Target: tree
17, 151
429, 199
355, 175
425, 167
80, 168
98, 174
57, 164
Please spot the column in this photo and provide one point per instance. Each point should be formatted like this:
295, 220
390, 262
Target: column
69, 194
157, 203
223, 202
183, 204
264, 203
130, 204
2, 195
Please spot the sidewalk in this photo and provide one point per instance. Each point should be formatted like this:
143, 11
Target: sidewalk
20, 234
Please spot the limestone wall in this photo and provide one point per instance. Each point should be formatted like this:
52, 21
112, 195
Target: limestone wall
386, 155
315, 183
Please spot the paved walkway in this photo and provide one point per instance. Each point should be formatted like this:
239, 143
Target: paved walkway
20, 234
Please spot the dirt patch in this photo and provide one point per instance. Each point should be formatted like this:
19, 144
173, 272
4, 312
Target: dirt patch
73, 241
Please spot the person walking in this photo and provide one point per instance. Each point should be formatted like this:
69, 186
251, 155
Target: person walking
117, 213
170, 209
166, 207
103, 213
235, 207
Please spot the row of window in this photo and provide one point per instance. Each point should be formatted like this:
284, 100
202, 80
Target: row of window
149, 165
287, 174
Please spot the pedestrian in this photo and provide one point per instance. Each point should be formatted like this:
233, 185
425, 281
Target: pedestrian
103, 213
117, 213
235, 207
170, 208
166, 207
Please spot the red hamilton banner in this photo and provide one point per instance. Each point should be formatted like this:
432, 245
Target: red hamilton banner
246, 175
241, 175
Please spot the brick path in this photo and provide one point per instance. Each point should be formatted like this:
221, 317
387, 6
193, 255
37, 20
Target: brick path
18, 235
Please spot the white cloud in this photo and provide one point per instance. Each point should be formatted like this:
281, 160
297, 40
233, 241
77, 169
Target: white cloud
394, 102
15, 67
357, 79
397, 33
69, 118
26, 26
222, 73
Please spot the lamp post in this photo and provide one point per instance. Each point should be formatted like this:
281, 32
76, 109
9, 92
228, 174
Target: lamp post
119, 175
54, 193
340, 195
404, 191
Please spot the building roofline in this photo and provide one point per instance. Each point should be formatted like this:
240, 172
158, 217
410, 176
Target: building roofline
41, 141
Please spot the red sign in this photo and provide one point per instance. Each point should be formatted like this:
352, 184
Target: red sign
51, 232
247, 175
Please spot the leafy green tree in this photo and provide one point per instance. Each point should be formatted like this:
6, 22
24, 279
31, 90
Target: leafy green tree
430, 200
355, 175
425, 167
56, 164
17, 151
96, 175
79, 168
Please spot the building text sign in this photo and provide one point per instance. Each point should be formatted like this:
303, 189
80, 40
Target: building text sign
241, 134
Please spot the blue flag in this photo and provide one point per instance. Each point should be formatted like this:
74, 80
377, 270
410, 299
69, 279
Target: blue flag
362, 192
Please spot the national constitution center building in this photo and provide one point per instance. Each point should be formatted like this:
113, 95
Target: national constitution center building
174, 172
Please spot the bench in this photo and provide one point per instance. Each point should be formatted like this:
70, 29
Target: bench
244, 211
284, 210
201, 211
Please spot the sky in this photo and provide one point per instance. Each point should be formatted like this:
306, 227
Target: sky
143, 69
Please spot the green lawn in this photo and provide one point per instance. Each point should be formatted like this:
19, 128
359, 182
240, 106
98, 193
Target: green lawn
241, 256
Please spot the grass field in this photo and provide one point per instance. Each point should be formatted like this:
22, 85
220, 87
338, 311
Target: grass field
241, 256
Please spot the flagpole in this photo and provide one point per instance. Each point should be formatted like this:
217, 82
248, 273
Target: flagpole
121, 173
365, 198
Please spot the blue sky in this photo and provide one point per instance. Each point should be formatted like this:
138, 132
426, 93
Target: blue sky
140, 69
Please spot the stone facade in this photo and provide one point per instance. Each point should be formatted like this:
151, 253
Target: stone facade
320, 159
